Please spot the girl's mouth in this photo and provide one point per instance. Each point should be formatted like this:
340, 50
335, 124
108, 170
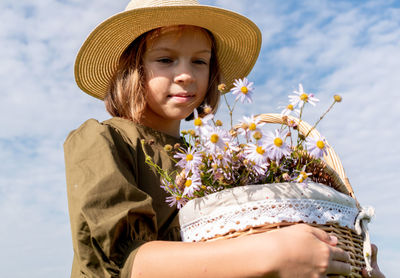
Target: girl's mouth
182, 98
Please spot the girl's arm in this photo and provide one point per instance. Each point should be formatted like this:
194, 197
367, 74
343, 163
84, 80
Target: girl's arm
295, 251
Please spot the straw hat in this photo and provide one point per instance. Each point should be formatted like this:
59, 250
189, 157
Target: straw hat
238, 39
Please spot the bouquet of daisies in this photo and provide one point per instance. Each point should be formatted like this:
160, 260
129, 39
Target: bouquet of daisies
214, 158
247, 179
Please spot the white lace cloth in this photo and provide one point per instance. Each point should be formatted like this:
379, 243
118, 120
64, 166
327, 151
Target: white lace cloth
239, 208
253, 205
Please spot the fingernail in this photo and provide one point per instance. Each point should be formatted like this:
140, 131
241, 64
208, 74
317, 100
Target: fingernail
333, 239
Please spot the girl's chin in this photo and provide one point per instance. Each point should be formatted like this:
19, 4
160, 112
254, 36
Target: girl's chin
178, 115
181, 113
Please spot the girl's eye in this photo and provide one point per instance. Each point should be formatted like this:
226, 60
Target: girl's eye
200, 62
165, 60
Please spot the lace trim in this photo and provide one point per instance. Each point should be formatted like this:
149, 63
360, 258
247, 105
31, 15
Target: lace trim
251, 214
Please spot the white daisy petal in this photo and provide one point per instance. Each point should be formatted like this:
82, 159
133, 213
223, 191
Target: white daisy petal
317, 147
276, 146
243, 90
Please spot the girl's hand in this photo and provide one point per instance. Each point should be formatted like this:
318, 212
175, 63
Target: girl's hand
305, 251
376, 273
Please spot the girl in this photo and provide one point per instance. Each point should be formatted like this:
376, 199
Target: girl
153, 64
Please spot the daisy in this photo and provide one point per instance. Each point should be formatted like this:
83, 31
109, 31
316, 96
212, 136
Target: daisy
300, 98
192, 184
290, 109
189, 160
251, 125
215, 139
276, 146
207, 109
166, 184
177, 200
317, 147
243, 89
303, 176
260, 170
255, 153
200, 122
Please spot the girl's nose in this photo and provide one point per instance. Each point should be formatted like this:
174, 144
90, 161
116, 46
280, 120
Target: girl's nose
184, 75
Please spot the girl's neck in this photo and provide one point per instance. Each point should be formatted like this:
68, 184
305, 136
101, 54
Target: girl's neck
168, 127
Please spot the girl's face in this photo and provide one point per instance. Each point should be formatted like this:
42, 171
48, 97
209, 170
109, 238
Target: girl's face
176, 65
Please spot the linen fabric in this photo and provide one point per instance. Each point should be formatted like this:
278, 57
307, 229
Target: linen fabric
114, 198
255, 205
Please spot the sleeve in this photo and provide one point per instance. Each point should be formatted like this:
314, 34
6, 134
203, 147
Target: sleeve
110, 216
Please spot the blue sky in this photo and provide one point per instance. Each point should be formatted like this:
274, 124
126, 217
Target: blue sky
346, 47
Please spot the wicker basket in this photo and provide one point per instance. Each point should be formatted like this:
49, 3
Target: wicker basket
348, 239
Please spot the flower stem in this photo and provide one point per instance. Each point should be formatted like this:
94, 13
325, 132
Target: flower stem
320, 118
230, 110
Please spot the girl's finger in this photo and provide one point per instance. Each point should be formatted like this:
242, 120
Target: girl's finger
374, 255
338, 267
324, 236
339, 262
338, 254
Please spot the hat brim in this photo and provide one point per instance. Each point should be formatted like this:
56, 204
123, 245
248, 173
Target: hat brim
238, 41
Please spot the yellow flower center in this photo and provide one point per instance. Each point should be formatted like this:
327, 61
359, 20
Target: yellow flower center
220, 157
189, 157
207, 110
168, 147
244, 90
214, 138
198, 122
278, 142
221, 87
188, 183
260, 150
252, 126
257, 135
337, 98
320, 144
290, 107
304, 97
178, 198
303, 175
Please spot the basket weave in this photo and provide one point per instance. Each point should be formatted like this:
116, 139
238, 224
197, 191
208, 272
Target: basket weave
348, 240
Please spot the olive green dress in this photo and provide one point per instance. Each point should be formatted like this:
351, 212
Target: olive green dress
114, 198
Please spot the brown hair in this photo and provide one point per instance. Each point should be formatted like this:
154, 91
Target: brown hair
126, 94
